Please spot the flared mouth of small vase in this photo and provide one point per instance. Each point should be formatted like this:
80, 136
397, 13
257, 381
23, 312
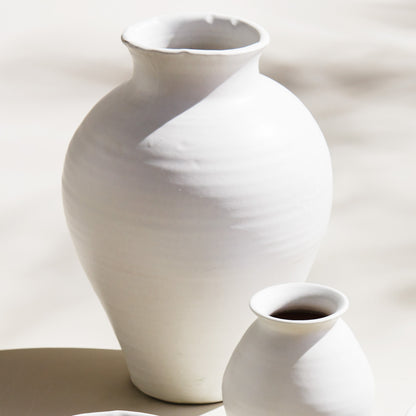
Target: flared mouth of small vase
208, 34
299, 303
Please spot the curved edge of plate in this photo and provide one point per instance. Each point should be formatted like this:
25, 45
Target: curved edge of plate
115, 413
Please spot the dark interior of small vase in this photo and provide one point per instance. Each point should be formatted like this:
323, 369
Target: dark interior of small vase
299, 302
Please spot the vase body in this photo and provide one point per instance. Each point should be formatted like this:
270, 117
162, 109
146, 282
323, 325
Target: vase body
298, 367
187, 189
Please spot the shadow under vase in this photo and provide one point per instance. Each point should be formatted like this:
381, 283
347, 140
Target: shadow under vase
68, 381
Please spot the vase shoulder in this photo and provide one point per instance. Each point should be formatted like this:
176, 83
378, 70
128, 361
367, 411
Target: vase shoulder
129, 120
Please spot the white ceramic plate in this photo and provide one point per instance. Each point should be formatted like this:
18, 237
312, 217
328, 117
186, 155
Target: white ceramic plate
115, 413
219, 411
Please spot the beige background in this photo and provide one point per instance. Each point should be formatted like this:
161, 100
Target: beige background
352, 63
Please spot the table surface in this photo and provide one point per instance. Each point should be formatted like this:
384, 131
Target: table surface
351, 62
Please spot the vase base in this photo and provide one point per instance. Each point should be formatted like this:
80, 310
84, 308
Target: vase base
178, 398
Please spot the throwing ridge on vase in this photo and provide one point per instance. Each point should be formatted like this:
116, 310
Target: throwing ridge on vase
188, 188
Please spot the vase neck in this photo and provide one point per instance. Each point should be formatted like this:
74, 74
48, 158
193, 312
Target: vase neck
188, 75
193, 55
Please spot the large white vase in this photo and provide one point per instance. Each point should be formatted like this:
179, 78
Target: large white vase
291, 366
188, 188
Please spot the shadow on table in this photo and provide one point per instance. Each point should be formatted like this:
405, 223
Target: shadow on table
67, 381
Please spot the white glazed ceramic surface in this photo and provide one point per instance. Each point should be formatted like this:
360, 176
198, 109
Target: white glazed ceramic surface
115, 413
411, 411
292, 367
188, 188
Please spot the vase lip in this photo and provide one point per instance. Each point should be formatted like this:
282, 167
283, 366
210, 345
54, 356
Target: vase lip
299, 295
141, 36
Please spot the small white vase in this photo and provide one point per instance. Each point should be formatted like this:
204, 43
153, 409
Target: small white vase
188, 188
291, 367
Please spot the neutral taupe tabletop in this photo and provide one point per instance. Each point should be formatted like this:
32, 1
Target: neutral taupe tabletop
67, 381
351, 62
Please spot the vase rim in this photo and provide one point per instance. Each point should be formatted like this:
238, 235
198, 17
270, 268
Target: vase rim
299, 295
174, 34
